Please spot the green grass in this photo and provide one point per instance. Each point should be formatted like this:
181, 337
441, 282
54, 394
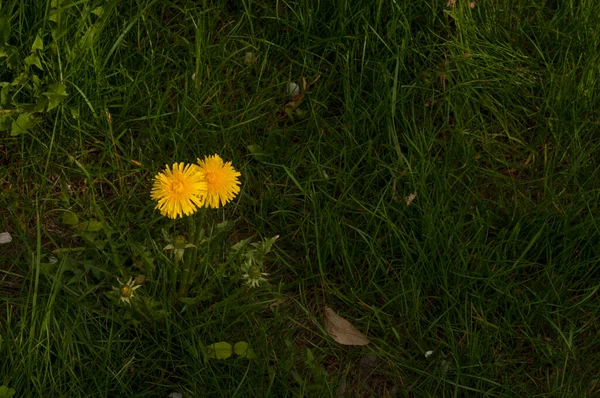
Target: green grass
490, 114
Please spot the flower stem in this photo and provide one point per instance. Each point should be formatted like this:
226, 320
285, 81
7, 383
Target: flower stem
174, 274
188, 259
197, 241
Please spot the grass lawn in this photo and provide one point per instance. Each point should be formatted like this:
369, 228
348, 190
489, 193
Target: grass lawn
486, 283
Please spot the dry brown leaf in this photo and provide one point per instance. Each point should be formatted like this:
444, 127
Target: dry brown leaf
297, 98
409, 199
341, 330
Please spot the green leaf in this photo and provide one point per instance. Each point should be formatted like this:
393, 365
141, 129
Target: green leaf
4, 93
6, 50
241, 244
56, 93
53, 16
265, 246
21, 79
13, 58
256, 151
6, 392
242, 349
34, 60
99, 11
38, 44
90, 226
21, 125
35, 80
4, 29
58, 88
220, 350
70, 218
39, 106
5, 123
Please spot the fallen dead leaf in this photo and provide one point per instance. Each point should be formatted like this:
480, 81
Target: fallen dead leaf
341, 330
297, 95
409, 199
5, 237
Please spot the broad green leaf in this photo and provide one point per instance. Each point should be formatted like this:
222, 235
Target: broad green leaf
39, 106
4, 29
38, 44
242, 349
21, 79
58, 88
90, 226
220, 350
34, 60
22, 124
5, 123
56, 93
35, 80
6, 392
70, 218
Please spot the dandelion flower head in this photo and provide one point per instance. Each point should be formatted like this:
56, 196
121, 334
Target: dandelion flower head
221, 178
253, 275
126, 290
179, 190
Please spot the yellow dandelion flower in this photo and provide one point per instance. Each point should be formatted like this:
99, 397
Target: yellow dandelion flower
221, 178
179, 190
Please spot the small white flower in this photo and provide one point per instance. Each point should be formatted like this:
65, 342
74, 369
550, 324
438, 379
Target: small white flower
428, 354
5, 237
325, 175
